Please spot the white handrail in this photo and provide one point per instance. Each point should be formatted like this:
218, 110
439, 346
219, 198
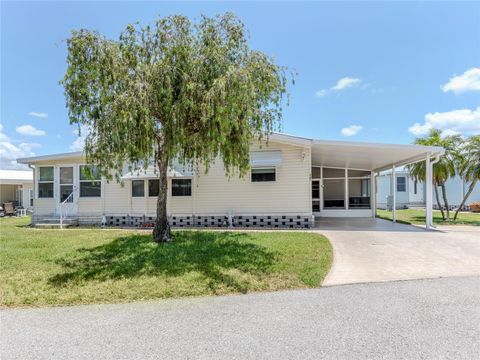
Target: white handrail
66, 206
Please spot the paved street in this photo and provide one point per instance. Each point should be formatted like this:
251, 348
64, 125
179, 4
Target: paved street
371, 250
420, 319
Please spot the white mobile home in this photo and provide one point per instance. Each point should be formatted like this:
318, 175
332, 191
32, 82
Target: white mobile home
292, 180
16, 186
411, 193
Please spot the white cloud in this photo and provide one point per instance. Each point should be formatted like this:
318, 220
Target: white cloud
468, 81
462, 121
351, 130
38, 114
345, 83
342, 84
9, 153
321, 93
79, 142
30, 130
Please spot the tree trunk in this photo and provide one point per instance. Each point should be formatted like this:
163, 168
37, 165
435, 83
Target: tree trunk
445, 201
470, 189
161, 231
435, 186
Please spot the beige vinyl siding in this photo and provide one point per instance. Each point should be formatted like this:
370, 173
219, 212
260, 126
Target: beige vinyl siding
44, 206
290, 193
179, 205
212, 193
90, 206
116, 197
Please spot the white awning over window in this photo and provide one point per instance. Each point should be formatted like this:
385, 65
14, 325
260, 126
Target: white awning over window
259, 159
152, 173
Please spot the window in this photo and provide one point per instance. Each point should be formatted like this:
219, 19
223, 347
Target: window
415, 187
315, 189
358, 193
401, 186
66, 183
260, 175
45, 182
90, 181
153, 187
334, 193
181, 187
30, 197
138, 188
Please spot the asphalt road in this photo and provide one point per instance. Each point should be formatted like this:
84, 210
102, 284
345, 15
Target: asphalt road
419, 319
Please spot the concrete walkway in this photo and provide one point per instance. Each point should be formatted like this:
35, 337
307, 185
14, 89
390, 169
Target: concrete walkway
371, 250
425, 319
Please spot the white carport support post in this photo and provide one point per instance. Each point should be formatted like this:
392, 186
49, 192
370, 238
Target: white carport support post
428, 198
394, 194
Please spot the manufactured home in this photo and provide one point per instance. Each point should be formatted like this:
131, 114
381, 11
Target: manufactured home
411, 193
292, 181
16, 186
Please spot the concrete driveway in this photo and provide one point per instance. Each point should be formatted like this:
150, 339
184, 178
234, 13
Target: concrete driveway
372, 250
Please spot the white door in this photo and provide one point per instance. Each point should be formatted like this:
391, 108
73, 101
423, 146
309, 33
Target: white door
66, 201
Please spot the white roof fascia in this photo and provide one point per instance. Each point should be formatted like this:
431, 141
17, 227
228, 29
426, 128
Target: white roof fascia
61, 156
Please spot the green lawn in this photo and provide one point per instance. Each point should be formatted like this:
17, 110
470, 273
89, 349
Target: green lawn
83, 266
417, 216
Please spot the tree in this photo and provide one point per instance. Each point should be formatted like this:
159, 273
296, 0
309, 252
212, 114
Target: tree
469, 167
177, 90
443, 169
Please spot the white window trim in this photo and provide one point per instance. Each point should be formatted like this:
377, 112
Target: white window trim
182, 196
37, 195
79, 181
145, 187
264, 168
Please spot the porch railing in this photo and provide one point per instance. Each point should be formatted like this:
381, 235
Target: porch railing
67, 206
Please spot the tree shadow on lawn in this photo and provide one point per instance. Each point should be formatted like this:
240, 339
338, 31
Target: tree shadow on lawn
210, 254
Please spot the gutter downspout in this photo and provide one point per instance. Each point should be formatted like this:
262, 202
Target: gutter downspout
30, 166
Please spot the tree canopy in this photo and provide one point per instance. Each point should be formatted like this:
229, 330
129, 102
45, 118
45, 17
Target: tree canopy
175, 90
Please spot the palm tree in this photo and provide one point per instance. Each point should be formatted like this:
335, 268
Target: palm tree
443, 169
469, 167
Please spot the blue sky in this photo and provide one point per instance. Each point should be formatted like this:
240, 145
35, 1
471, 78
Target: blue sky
366, 71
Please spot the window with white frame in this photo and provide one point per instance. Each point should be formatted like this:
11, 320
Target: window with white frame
153, 187
30, 197
181, 187
45, 182
262, 175
401, 184
90, 181
138, 188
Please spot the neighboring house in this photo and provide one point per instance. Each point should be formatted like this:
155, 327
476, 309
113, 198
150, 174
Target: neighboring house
291, 181
17, 186
411, 193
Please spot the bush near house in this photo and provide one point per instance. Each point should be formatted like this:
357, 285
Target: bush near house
84, 266
475, 207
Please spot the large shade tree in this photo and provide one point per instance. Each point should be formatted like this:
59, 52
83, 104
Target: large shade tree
176, 90
443, 169
469, 166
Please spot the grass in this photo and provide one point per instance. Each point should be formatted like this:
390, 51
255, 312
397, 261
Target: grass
41, 267
417, 216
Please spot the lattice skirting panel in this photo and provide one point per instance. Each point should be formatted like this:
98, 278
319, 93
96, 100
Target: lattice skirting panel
242, 221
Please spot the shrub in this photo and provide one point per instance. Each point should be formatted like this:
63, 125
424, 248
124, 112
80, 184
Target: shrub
475, 206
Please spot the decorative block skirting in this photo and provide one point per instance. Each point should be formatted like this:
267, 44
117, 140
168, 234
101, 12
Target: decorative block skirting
240, 221
197, 221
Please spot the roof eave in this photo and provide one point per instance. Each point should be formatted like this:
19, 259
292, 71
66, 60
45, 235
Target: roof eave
35, 159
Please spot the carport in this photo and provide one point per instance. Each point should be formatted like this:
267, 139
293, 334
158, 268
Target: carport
344, 175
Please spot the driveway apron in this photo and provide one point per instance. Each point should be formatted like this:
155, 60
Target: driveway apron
375, 250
